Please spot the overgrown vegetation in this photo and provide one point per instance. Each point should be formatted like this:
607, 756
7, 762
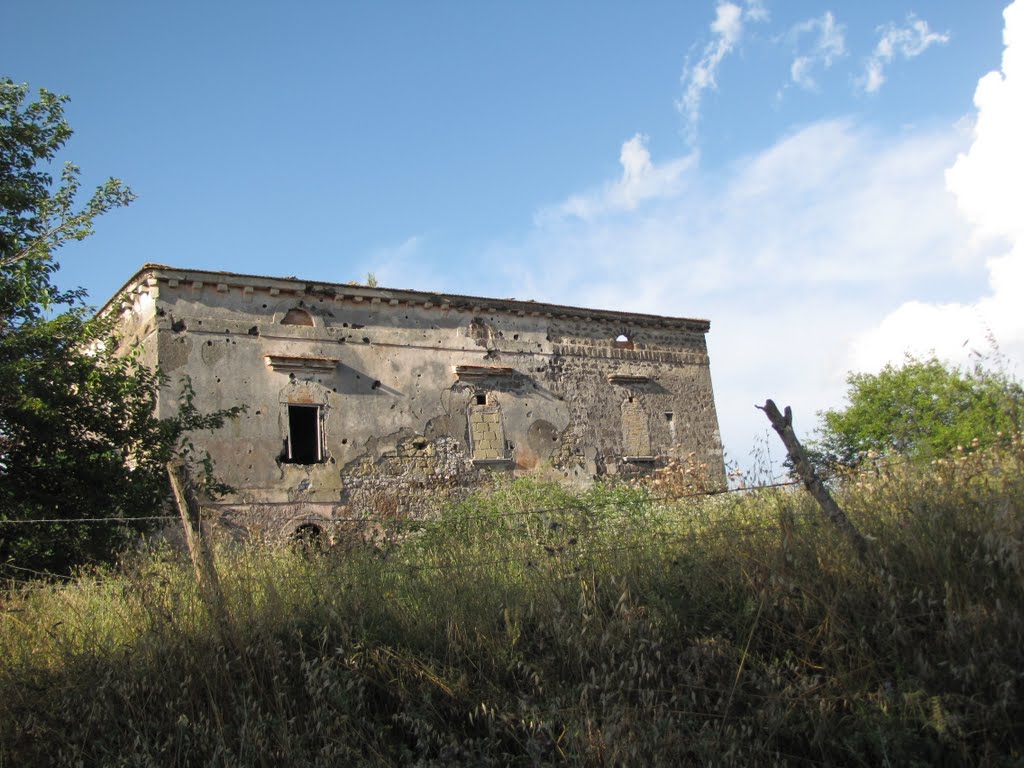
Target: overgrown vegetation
922, 409
534, 626
79, 436
528, 625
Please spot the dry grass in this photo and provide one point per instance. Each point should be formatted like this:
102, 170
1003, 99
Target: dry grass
610, 628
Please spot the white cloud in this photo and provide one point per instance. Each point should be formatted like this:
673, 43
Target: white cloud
796, 249
828, 44
988, 184
641, 180
756, 11
726, 33
907, 41
790, 252
399, 266
989, 180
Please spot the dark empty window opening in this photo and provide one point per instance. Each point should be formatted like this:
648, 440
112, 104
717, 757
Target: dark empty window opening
481, 398
297, 317
668, 415
622, 341
304, 439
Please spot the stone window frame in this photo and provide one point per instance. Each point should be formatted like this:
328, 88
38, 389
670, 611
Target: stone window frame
318, 448
623, 340
641, 410
632, 396
305, 394
503, 454
670, 420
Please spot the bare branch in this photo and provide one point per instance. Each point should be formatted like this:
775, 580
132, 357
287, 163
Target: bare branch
783, 425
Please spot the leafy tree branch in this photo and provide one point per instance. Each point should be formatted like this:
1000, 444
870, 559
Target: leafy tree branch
922, 409
79, 435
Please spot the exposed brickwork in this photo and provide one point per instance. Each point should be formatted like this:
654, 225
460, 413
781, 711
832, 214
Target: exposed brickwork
487, 436
419, 397
636, 434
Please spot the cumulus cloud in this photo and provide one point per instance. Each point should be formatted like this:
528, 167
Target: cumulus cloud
828, 43
641, 180
907, 41
987, 182
726, 33
797, 248
989, 179
789, 252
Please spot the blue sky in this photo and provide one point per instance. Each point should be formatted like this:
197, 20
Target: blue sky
788, 170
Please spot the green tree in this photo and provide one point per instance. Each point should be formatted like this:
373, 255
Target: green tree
78, 432
922, 409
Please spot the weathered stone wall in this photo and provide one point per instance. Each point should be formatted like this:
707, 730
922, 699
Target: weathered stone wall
414, 398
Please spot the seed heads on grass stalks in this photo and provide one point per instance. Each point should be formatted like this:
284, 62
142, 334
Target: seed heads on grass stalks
533, 626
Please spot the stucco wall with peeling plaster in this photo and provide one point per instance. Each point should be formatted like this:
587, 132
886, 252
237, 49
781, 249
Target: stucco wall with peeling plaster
417, 397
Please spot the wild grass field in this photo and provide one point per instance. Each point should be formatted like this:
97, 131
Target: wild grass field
532, 626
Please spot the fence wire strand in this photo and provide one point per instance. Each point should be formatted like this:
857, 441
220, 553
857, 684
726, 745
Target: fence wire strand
722, 527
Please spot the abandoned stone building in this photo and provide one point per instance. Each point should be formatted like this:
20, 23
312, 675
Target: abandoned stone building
369, 402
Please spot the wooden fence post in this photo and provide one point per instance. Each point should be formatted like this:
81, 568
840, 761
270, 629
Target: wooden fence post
783, 424
198, 545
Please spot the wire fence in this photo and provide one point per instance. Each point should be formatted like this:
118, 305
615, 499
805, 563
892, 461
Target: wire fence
111, 520
576, 506
625, 506
531, 556
397, 526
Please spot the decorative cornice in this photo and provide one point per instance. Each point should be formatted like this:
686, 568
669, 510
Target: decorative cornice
227, 282
477, 372
627, 378
291, 364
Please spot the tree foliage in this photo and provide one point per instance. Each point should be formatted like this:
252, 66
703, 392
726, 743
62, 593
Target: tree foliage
922, 409
78, 433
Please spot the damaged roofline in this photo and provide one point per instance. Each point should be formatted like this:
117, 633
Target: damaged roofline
392, 296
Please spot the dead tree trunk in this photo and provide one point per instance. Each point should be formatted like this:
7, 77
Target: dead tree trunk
784, 426
198, 545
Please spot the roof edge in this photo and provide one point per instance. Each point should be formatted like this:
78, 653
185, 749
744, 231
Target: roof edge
151, 270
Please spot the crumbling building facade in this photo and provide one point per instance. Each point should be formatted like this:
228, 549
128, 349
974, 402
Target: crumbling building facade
369, 402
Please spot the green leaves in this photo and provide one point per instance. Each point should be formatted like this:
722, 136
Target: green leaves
79, 436
37, 217
60, 222
923, 409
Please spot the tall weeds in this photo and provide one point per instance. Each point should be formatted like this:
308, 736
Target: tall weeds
532, 625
